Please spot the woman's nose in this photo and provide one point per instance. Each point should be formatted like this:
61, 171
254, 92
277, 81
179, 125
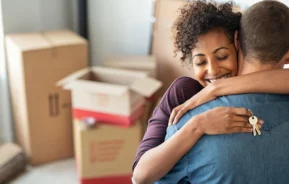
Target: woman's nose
213, 68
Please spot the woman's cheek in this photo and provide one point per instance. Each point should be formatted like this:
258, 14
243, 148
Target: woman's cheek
232, 66
200, 75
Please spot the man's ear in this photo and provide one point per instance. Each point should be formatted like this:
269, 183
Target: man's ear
236, 41
286, 58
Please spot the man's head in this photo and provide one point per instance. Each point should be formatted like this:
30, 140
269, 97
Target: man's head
264, 34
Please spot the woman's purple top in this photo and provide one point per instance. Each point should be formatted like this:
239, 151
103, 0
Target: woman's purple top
179, 92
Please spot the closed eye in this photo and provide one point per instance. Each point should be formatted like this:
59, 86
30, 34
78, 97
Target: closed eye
222, 58
201, 63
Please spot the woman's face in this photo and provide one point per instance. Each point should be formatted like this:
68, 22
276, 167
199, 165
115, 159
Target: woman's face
214, 57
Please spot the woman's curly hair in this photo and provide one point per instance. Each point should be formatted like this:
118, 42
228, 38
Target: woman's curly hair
197, 18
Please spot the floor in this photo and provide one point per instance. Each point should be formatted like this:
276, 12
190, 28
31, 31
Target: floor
60, 172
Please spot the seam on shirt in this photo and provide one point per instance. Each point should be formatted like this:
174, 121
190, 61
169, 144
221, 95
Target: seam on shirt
276, 123
187, 169
175, 127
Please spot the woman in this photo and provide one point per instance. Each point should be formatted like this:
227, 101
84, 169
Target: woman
204, 35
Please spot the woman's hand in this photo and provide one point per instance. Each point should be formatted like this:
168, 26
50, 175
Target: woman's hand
224, 120
205, 95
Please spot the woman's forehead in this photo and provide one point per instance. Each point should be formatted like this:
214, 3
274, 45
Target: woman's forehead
212, 40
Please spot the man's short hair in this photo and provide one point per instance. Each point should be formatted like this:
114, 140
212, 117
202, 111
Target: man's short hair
264, 32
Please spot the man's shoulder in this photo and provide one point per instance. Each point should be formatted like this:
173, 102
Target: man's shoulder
252, 98
242, 100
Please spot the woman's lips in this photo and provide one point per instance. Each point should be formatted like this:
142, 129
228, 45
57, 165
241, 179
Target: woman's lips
211, 80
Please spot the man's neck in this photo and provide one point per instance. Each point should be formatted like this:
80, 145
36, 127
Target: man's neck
251, 66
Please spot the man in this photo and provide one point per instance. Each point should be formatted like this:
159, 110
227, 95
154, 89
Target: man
244, 158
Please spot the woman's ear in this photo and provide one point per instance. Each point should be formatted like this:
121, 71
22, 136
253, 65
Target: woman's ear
236, 41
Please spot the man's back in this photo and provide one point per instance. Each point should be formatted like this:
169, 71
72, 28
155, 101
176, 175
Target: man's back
239, 158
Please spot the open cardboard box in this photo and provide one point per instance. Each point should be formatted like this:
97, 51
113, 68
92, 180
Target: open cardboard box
109, 95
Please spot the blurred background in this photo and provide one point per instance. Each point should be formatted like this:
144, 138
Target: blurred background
43, 42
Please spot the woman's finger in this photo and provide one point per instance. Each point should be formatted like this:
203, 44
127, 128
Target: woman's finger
260, 122
173, 114
240, 118
180, 114
244, 125
172, 117
241, 124
240, 130
241, 111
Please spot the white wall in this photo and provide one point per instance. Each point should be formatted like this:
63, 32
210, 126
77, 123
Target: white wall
119, 27
27, 16
36, 15
246, 3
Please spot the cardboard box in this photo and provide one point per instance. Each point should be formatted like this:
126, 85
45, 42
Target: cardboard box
109, 95
169, 66
104, 154
12, 161
140, 63
42, 111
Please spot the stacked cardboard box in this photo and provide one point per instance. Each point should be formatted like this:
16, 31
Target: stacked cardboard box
114, 96
104, 154
114, 99
41, 111
169, 66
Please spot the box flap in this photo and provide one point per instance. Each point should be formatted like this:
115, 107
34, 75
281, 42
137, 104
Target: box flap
131, 62
96, 87
146, 86
29, 41
72, 77
120, 72
63, 38
8, 151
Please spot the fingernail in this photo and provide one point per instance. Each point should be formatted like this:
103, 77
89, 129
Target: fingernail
261, 122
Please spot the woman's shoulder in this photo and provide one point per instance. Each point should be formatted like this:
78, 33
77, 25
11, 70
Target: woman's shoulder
185, 80
187, 83
182, 89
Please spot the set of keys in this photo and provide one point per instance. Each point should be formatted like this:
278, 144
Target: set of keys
253, 120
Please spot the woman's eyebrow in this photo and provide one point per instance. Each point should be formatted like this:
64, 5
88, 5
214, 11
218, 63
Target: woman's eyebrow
219, 49
198, 55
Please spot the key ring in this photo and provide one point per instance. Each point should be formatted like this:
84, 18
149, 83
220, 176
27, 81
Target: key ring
251, 112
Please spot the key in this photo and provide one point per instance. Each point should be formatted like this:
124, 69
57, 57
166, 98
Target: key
253, 121
258, 130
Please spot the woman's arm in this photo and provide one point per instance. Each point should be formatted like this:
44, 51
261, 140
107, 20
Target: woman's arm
180, 91
160, 160
157, 160
269, 81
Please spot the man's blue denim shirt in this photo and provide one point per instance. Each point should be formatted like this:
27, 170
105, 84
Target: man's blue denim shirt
238, 158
